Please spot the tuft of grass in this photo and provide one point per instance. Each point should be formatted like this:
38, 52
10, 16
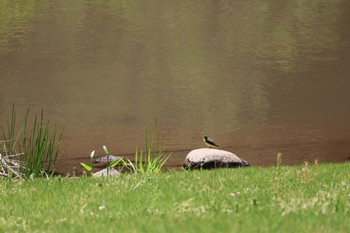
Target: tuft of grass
41, 147
36, 146
155, 158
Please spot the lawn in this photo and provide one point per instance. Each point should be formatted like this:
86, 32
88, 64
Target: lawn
307, 198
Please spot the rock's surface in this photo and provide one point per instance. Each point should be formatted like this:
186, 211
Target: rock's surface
112, 172
105, 158
212, 158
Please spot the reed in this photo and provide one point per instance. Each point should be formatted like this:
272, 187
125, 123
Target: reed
36, 146
155, 158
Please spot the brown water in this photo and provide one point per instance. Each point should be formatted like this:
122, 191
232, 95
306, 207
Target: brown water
259, 77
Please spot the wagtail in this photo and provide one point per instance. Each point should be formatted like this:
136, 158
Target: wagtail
209, 142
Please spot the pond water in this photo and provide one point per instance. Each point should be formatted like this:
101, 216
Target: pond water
259, 77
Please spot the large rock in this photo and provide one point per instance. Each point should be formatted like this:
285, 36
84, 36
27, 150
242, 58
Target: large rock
212, 158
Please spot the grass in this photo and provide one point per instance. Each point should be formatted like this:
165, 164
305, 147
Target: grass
307, 198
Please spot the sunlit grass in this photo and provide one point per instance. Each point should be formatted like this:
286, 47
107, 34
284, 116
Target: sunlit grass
308, 198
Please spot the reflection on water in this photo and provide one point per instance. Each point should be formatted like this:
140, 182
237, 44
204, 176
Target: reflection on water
259, 77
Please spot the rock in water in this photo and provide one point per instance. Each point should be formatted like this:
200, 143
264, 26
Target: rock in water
104, 159
212, 158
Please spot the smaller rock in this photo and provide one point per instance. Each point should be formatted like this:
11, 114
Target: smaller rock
112, 172
212, 158
104, 159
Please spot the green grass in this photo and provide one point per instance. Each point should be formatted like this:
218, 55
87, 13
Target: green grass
285, 199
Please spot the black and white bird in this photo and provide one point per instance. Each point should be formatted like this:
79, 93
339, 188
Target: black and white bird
209, 142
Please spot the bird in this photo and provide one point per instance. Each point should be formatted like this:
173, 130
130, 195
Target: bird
209, 142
